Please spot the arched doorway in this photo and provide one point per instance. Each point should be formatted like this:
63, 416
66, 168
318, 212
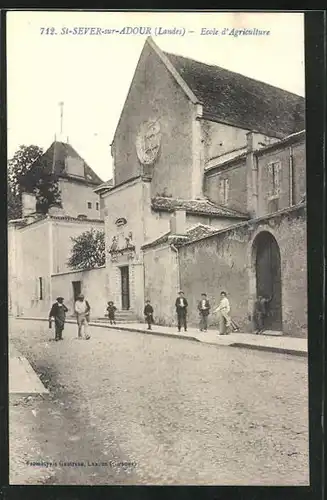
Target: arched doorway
268, 277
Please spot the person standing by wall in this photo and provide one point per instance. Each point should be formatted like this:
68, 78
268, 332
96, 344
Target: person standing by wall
204, 310
82, 311
181, 305
58, 313
223, 311
260, 313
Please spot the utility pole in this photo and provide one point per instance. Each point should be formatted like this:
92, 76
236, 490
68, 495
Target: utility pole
61, 104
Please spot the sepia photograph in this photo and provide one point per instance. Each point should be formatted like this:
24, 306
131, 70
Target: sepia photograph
157, 253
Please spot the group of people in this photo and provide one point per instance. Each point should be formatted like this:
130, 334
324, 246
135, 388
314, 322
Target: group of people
82, 311
226, 325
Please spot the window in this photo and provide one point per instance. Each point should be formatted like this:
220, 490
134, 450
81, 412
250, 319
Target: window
89, 204
97, 205
274, 179
224, 191
40, 289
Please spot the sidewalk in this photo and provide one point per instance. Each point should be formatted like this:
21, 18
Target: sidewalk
269, 342
22, 378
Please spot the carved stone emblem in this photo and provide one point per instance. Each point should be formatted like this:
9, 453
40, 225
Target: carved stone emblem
148, 142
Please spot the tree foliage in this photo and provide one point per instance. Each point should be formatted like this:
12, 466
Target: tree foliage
88, 251
37, 180
14, 203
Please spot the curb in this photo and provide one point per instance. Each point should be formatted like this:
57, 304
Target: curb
279, 350
144, 331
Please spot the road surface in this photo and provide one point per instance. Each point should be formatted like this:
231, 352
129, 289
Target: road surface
128, 408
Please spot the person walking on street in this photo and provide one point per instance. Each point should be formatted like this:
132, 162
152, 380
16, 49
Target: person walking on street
58, 314
260, 313
204, 310
82, 311
223, 311
181, 305
148, 313
111, 309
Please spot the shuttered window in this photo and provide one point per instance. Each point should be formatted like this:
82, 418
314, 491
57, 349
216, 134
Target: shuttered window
274, 170
224, 191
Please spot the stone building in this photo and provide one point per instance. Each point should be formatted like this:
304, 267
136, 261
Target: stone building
209, 179
39, 245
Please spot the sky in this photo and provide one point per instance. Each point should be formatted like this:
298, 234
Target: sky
91, 74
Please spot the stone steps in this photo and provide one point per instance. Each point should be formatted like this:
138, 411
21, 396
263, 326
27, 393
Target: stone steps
121, 317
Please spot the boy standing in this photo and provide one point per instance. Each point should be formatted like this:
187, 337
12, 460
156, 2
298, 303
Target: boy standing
148, 313
111, 309
58, 313
204, 309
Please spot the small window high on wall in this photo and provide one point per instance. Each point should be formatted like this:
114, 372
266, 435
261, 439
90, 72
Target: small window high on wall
224, 191
40, 288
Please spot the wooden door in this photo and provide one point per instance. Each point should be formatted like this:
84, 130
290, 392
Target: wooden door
268, 274
77, 289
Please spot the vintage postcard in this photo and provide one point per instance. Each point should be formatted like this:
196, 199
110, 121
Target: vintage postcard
157, 250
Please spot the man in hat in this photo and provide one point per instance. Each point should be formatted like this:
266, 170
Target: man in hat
82, 311
58, 314
181, 305
204, 310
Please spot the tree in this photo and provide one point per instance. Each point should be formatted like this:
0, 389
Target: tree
88, 251
37, 180
14, 204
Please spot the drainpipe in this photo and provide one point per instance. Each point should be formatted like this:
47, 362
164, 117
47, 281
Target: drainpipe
172, 246
252, 176
291, 177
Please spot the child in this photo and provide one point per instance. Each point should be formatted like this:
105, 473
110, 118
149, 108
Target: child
111, 312
148, 313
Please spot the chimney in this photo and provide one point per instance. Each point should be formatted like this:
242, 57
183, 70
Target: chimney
178, 222
28, 204
251, 176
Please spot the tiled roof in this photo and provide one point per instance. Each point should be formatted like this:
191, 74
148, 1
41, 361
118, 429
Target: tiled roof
194, 233
105, 186
60, 151
195, 207
241, 101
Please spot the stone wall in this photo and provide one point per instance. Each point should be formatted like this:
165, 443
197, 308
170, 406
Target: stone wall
33, 249
236, 175
282, 155
75, 197
92, 286
225, 262
63, 231
155, 95
161, 283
